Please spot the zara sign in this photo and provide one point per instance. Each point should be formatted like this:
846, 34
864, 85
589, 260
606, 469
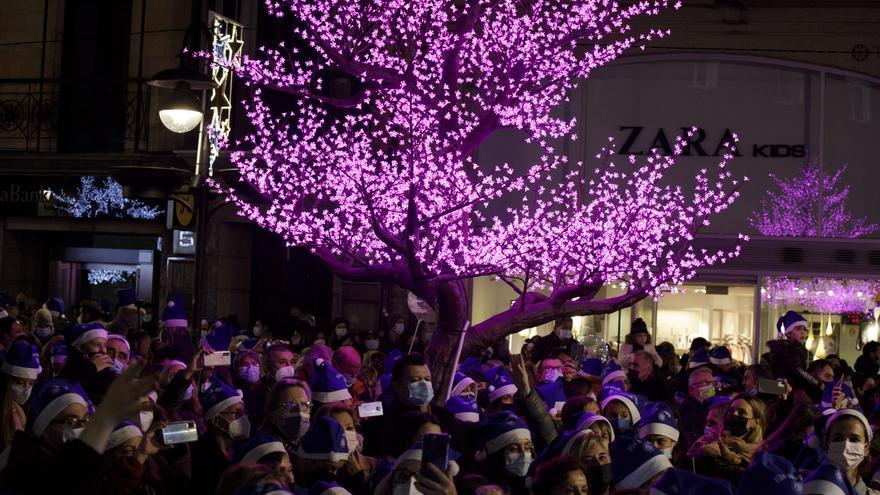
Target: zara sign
639, 140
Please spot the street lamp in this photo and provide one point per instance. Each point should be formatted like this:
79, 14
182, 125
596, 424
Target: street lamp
181, 110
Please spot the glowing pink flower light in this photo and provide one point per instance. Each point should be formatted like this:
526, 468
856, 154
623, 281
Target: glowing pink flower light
821, 295
389, 190
794, 210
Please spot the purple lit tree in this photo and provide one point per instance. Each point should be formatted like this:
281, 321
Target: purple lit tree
803, 208
387, 189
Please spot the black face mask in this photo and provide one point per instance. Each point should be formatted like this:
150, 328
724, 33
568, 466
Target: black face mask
599, 478
736, 425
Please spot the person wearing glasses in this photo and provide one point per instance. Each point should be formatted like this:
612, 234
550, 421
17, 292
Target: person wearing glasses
694, 409
288, 411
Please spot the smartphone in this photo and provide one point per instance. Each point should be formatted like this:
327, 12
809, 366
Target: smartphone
370, 410
772, 387
435, 450
179, 432
219, 358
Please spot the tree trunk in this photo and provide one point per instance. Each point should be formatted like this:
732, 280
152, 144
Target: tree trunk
452, 312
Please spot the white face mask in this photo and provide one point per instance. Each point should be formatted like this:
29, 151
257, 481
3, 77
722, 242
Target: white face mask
846, 455
240, 428
258, 331
565, 334
285, 372
146, 419
341, 331
372, 344
551, 375
71, 434
517, 464
21, 393
45, 332
148, 318
351, 438
408, 488
667, 453
398, 328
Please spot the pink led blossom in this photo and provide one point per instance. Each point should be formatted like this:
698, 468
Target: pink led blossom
821, 295
794, 211
389, 190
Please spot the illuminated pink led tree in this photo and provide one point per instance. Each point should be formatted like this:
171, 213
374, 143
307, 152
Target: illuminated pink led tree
388, 189
801, 208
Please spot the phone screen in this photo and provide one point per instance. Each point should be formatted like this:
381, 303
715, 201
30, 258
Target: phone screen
772, 387
435, 450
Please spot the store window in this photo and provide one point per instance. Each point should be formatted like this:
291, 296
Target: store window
721, 314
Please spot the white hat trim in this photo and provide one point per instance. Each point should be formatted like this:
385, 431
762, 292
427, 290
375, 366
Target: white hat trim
463, 384
613, 376
500, 392
633, 410
20, 371
659, 429
507, 438
53, 408
468, 417
854, 413
122, 435
334, 396
86, 337
323, 456
822, 486
791, 327
175, 322
592, 420
333, 490
643, 473
116, 336
262, 450
720, 361
220, 406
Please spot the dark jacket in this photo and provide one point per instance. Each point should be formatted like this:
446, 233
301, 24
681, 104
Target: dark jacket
692, 422
208, 465
75, 467
867, 366
657, 388
789, 360
544, 345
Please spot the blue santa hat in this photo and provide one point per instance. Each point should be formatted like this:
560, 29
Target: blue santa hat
635, 462
588, 419
501, 385
55, 305
464, 410
263, 488
632, 402
126, 296
720, 355
827, 403
52, 398
770, 474
324, 441
681, 482
59, 353
124, 432
220, 336
174, 314
828, 479
460, 382
789, 321
612, 372
612, 388
470, 364
327, 488
328, 384
83, 333
497, 431
659, 420
552, 393
218, 397
700, 358
854, 413
256, 447
22, 361
591, 367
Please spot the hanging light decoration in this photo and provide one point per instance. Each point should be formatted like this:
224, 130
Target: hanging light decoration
821, 295
829, 330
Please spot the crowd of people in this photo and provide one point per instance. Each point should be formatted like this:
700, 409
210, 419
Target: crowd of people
125, 403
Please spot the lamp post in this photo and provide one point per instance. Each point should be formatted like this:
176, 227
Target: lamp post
181, 111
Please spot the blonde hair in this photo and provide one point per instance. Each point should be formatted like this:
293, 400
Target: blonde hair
583, 441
